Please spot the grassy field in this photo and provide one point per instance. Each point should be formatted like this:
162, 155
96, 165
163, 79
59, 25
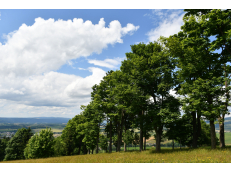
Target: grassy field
186, 155
52, 129
227, 137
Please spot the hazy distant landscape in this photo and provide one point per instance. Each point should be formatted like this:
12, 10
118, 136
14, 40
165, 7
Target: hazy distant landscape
9, 126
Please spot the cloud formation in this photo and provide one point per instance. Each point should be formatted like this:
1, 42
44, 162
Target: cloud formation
170, 22
108, 63
32, 54
49, 44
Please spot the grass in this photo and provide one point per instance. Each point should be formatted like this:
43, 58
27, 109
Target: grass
227, 137
186, 155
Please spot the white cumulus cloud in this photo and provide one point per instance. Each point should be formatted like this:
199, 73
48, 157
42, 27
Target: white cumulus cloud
48, 44
31, 55
169, 23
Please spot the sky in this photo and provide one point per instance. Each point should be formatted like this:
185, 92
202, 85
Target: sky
50, 58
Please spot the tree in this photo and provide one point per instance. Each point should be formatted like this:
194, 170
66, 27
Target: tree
151, 68
3, 145
40, 145
16, 145
216, 23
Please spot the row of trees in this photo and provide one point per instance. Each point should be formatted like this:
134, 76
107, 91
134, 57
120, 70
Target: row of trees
194, 63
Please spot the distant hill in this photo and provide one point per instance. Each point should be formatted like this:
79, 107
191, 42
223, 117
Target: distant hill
38, 120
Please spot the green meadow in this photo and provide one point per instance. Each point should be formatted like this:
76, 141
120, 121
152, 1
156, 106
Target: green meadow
167, 155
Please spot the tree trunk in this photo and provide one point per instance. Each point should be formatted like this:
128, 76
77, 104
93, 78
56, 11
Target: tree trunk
141, 140
97, 141
80, 143
222, 117
158, 137
198, 124
120, 131
173, 144
213, 134
145, 141
110, 134
222, 131
125, 129
85, 149
141, 131
194, 144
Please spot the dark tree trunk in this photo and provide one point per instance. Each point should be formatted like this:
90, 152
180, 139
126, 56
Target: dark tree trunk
198, 124
145, 140
120, 131
125, 129
80, 143
194, 144
110, 134
141, 131
92, 151
173, 144
97, 141
141, 140
158, 137
85, 149
222, 131
222, 117
213, 134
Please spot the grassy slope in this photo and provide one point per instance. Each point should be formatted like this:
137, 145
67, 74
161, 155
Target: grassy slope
201, 155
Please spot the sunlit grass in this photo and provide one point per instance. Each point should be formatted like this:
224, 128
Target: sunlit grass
200, 155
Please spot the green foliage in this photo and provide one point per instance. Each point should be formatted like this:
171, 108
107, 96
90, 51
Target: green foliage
115, 140
16, 145
127, 137
3, 145
59, 149
40, 145
73, 134
182, 132
103, 143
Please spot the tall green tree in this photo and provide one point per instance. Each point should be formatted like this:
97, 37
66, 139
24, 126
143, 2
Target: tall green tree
151, 68
17, 144
216, 23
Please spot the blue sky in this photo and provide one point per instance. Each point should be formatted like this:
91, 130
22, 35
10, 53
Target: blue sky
50, 59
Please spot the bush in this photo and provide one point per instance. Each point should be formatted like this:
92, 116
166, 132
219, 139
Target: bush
40, 145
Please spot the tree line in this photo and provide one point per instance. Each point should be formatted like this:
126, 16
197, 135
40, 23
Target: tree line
193, 62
